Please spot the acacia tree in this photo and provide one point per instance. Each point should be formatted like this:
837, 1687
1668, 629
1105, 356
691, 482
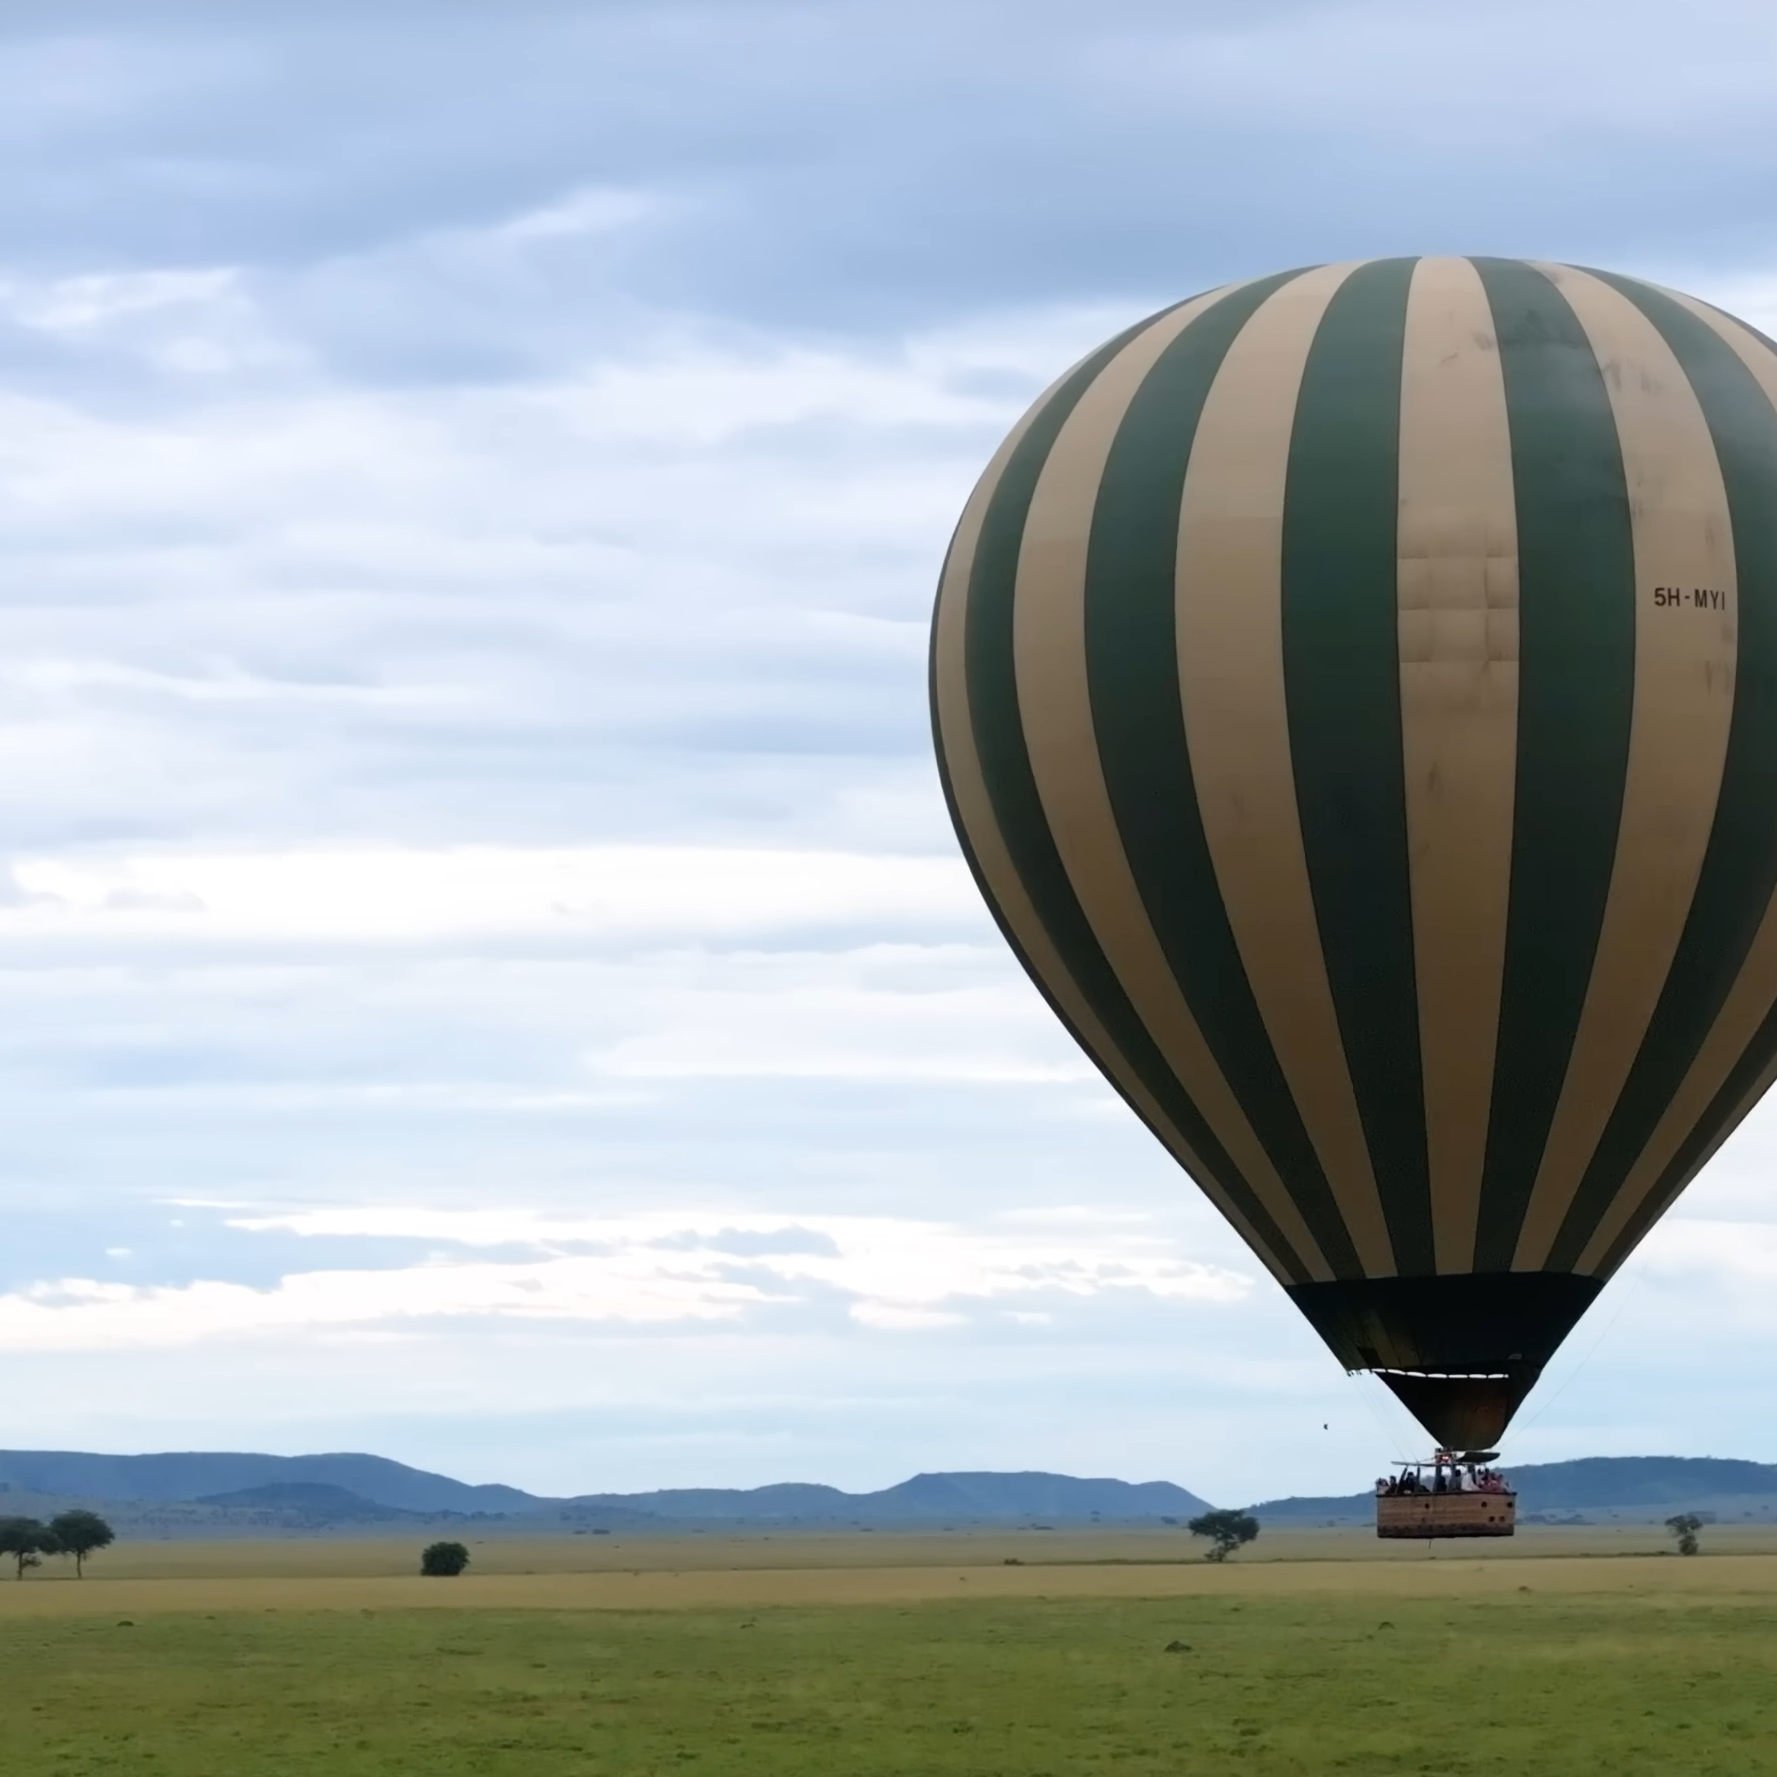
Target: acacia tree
1684, 1528
27, 1541
80, 1533
1227, 1531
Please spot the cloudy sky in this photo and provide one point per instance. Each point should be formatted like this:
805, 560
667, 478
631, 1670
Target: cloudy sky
485, 975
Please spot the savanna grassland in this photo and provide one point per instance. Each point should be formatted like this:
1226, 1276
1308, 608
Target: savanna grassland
1523, 1664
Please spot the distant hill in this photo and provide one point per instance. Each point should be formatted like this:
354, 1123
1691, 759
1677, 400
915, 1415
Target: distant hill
1626, 1485
1639, 1481
184, 1491
306, 1502
236, 1481
926, 1499
192, 1475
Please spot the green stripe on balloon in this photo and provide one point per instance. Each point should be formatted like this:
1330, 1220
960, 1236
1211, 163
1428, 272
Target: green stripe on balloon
1759, 1055
1576, 682
971, 856
1341, 660
1011, 786
1739, 873
1132, 667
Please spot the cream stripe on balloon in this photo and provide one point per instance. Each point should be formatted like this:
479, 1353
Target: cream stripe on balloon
1050, 645
1755, 987
1457, 590
1230, 646
1683, 701
975, 807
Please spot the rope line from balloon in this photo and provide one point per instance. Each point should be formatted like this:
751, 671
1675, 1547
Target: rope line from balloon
1609, 1327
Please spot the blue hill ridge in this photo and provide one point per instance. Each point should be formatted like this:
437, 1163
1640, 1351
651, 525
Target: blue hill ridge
1595, 1483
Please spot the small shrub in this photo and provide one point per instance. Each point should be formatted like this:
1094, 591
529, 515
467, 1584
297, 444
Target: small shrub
443, 1560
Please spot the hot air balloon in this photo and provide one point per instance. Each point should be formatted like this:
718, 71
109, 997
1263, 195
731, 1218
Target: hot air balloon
1355, 691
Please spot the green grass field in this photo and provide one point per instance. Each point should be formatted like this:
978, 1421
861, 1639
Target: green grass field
1625, 1680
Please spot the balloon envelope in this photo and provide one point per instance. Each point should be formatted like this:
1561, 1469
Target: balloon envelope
1356, 694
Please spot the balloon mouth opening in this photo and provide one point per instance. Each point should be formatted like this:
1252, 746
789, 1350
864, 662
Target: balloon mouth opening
1444, 1375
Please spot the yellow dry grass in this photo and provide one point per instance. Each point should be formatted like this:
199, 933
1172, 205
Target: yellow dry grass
348, 1557
707, 1572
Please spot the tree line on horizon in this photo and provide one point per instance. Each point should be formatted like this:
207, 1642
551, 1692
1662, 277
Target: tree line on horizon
76, 1532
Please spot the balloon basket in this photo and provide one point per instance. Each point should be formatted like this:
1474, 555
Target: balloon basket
1428, 1505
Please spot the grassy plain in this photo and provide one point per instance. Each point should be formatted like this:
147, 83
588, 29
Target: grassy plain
366, 1557
1532, 1662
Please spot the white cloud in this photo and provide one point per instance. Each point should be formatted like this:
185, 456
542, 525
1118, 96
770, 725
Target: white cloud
1736, 1261
937, 1013
92, 300
222, 682
894, 1275
696, 396
591, 210
387, 895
